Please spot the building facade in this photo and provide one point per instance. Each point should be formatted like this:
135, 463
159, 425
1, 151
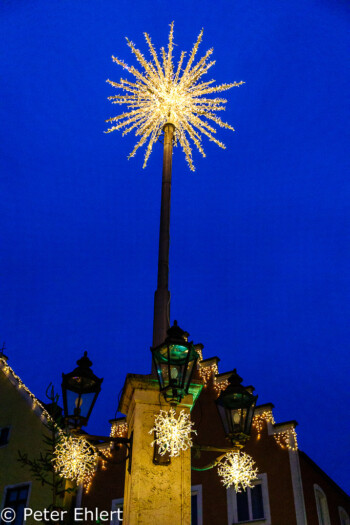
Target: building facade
22, 429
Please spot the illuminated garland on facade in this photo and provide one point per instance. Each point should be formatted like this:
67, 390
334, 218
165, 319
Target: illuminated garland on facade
20, 385
120, 430
172, 434
200, 353
260, 420
163, 92
75, 459
219, 386
287, 439
237, 469
106, 454
206, 372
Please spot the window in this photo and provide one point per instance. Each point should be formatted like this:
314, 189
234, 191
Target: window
322, 507
16, 498
251, 505
196, 505
343, 516
117, 505
4, 436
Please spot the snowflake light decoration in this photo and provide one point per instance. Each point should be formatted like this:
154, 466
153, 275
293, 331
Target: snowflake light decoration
237, 469
172, 433
163, 93
75, 459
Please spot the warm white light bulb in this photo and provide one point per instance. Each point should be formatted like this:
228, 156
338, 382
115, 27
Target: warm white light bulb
78, 402
236, 418
174, 373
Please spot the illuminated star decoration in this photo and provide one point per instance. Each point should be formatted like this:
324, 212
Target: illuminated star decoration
163, 93
75, 459
172, 434
237, 469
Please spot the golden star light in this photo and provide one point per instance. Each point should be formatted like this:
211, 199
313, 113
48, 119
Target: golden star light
237, 469
75, 459
162, 92
172, 434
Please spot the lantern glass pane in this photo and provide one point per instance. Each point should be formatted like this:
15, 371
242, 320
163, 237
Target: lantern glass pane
79, 405
225, 418
244, 420
178, 354
188, 373
164, 374
248, 422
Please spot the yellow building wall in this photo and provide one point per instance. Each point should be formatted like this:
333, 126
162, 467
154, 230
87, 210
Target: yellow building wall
26, 435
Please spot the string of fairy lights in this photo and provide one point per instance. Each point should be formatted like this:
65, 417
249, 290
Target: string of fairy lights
287, 439
162, 92
8, 371
119, 430
206, 372
260, 420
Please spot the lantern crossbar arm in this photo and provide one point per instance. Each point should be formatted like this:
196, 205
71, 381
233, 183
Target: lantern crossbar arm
113, 461
107, 439
210, 465
209, 448
127, 442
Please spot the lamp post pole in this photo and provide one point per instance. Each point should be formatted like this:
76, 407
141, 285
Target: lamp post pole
161, 319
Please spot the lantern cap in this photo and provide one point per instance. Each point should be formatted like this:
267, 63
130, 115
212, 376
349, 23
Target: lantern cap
234, 378
82, 378
84, 362
235, 393
176, 334
83, 369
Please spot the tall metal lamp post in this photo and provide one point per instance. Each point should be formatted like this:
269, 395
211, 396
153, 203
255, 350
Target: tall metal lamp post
161, 317
171, 99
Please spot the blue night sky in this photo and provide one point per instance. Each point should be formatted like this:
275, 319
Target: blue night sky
259, 256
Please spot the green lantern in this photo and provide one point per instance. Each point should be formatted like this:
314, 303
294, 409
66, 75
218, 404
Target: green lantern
236, 406
175, 360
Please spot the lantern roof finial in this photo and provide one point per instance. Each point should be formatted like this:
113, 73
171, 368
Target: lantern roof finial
84, 362
176, 334
235, 378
